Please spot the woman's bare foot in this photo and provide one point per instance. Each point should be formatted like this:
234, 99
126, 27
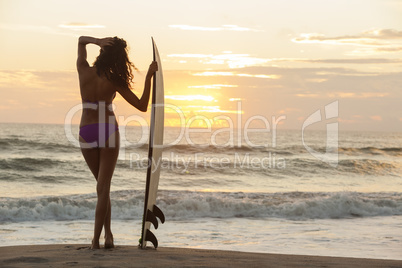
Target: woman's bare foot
95, 245
109, 241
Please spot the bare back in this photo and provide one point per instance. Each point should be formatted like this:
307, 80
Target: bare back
97, 94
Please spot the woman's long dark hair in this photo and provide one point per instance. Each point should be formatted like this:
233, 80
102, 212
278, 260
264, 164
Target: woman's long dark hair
113, 62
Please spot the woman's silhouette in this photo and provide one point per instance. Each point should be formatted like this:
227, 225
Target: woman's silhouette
99, 133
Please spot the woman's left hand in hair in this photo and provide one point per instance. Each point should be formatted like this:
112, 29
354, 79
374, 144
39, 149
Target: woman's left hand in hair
107, 41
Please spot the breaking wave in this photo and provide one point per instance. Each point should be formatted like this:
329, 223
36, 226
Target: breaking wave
181, 205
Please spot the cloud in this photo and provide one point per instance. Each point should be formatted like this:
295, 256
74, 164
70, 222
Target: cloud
316, 38
198, 109
189, 55
376, 118
210, 73
384, 34
347, 121
365, 38
358, 95
189, 97
213, 29
307, 95
352, 61
32, 28
51, 30
37, 80
210, 109
232, 60
214, 86
245, 60
372, 41
77, 26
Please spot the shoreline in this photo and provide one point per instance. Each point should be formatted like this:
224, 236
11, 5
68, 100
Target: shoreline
79, 255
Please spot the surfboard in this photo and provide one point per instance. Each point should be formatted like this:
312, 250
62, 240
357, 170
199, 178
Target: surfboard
151, 211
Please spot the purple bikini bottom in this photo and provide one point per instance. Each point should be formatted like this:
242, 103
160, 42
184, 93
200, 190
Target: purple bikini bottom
96, 134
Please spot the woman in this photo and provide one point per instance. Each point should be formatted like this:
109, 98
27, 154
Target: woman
99, 134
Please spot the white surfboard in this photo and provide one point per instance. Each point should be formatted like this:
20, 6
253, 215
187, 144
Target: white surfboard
151, 211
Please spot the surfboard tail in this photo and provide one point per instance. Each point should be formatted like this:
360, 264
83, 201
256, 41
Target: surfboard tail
151, 218
149, 236
158, 213
153, 215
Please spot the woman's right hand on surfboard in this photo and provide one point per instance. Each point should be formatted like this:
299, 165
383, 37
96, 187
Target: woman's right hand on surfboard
153, 67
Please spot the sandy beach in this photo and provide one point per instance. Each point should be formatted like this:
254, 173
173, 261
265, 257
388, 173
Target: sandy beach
131, 256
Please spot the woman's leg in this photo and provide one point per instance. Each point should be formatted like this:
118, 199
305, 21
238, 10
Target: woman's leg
91, 156
107, 163
107, 224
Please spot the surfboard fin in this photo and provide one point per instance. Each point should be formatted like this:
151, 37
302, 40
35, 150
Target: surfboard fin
151, 218
158, 213
149, 236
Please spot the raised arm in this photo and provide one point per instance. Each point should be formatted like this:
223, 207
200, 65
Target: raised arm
82, 50
130, 97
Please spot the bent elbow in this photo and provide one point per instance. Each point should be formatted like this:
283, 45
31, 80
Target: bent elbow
143, 109
81, 39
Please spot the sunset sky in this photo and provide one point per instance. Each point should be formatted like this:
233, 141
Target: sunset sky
268, 58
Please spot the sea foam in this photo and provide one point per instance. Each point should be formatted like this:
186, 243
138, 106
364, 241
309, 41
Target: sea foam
182, 205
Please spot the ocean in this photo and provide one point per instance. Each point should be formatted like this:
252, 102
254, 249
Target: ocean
267, 193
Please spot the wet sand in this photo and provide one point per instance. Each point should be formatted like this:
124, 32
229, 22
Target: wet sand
132, 256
